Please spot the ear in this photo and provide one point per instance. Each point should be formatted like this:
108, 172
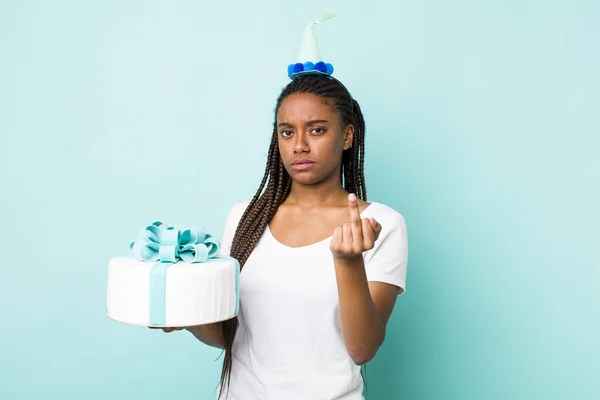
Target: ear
348, 136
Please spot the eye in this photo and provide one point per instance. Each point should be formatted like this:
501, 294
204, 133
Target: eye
285, 133
318, 131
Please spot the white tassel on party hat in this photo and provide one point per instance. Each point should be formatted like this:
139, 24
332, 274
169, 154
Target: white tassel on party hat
309, 58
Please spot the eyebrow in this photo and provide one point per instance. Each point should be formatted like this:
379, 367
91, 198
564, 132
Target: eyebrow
311, 122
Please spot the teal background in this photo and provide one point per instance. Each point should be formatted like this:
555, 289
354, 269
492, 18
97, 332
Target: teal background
483, 130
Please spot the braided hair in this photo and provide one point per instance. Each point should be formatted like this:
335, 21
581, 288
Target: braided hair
277, 183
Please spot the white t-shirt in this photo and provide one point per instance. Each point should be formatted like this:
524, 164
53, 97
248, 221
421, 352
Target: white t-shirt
289, 343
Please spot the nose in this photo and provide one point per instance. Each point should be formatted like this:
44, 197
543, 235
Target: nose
300, 144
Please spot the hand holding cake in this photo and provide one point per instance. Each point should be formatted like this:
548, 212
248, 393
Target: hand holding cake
166, 330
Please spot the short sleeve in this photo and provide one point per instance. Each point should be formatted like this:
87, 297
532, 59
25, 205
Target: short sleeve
387, 261
231, 222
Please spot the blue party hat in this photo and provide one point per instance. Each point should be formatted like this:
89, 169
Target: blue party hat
309, 59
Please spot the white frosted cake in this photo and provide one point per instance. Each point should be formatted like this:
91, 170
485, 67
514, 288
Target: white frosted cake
172, 279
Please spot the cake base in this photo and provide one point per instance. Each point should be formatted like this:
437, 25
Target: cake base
172, 295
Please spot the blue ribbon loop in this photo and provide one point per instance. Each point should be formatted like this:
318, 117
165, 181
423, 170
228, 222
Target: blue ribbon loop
162, 243
165, 245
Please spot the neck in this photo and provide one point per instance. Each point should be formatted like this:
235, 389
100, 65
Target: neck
327, 193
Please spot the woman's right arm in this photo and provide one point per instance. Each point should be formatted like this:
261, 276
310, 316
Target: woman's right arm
210, 334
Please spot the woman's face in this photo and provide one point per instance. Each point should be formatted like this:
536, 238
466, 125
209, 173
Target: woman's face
311, 138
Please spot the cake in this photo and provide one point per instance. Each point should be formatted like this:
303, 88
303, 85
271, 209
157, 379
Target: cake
172, 278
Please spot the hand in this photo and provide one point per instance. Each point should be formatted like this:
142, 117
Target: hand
356, 236
167, 330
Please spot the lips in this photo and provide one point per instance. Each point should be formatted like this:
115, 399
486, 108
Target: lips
302, 164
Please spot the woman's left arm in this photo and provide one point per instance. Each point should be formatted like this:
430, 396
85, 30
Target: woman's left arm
365, 307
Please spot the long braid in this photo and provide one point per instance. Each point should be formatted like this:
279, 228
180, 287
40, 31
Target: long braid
360, 150
277, 183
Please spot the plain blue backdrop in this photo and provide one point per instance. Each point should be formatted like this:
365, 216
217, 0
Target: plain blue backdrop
483, 129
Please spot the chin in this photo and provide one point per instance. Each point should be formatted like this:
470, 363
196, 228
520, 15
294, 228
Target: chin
308, 178
305, 178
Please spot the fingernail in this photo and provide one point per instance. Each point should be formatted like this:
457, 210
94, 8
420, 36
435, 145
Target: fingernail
352, 197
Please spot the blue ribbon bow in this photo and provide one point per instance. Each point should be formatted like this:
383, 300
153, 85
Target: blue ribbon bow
163, 243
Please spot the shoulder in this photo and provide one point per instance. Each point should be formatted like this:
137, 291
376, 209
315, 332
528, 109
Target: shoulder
387, 216
387, 260
233, 219
393, 238
238, 209
236, 212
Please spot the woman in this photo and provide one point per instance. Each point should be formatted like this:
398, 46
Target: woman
321, 267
